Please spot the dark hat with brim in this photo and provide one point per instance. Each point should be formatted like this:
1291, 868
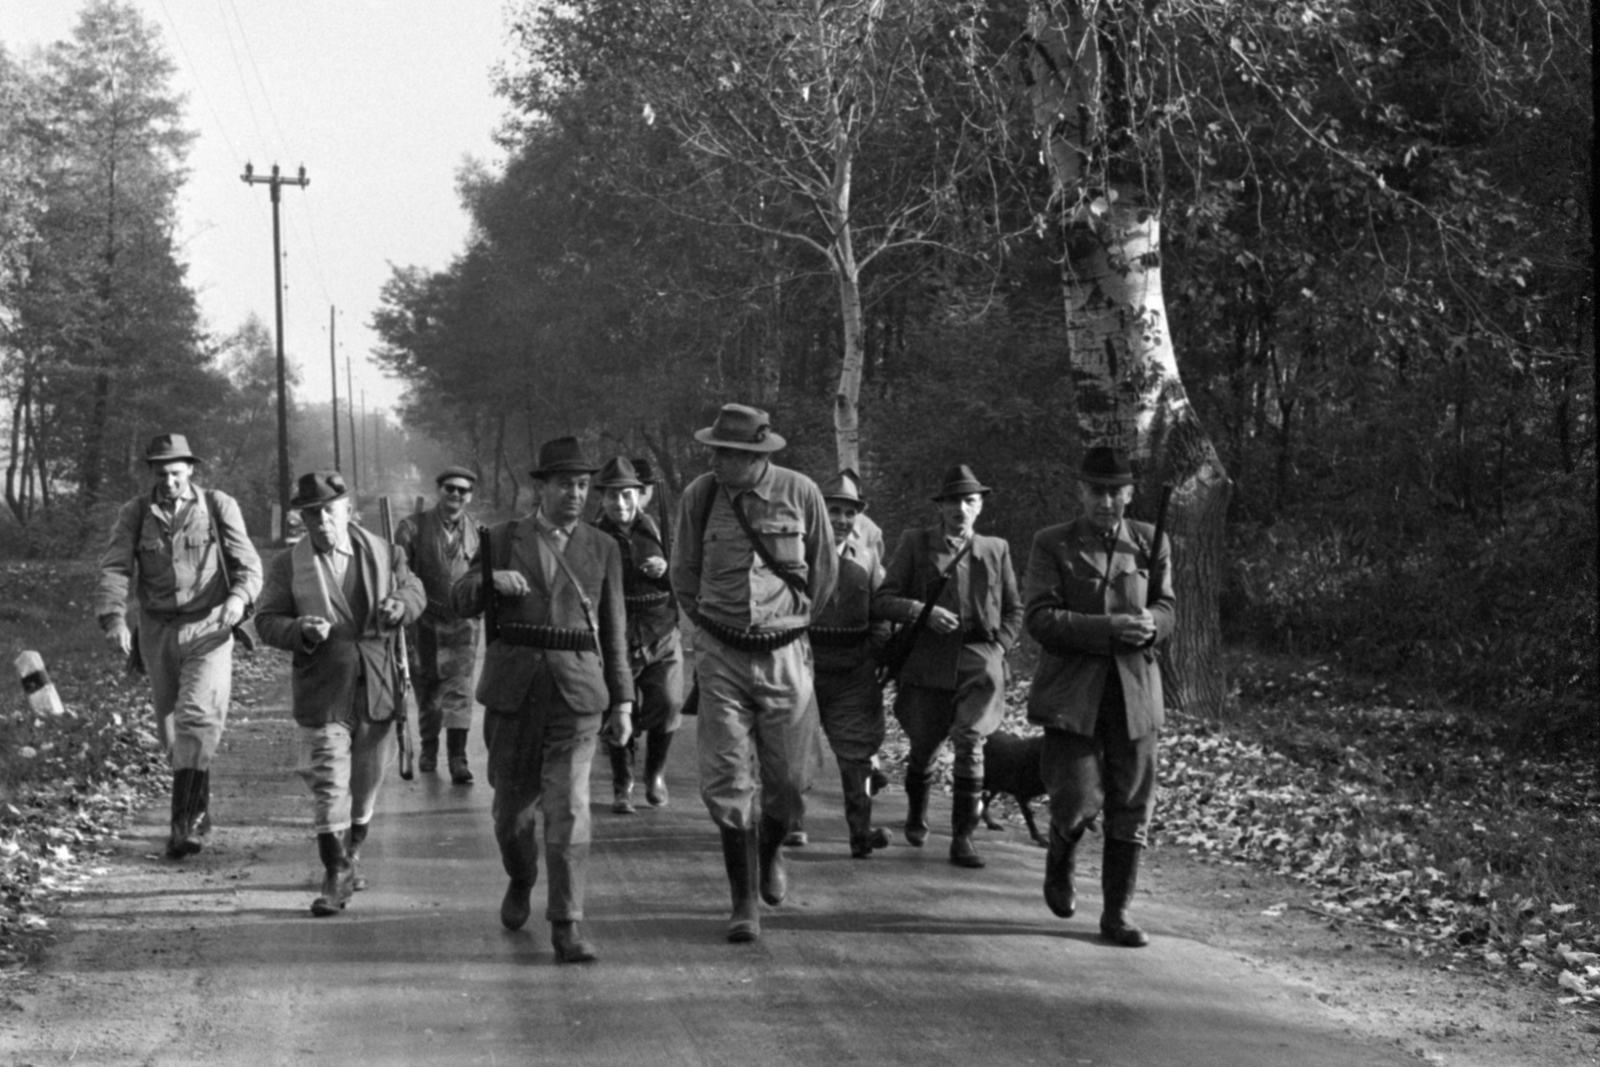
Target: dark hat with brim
168, 447
738, 426
844, 487
463, 473
1105, 466
618, 473
563, 456
318, 488
646, 473
960, 481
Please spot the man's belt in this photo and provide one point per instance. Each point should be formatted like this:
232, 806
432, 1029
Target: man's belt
977, 635
178, 617
750, 640
839, 636
646, 600
554, 638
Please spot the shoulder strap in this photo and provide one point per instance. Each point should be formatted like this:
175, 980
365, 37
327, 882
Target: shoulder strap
216, 532
583, 598
786, 571
936, 587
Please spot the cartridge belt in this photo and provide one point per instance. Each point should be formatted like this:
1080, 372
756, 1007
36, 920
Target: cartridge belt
839, 636
750, 640
553, 638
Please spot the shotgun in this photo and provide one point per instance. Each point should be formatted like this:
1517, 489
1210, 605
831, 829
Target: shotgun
491, 603
405, 696
1155, 541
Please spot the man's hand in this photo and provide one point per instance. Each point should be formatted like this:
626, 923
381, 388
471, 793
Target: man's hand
654, 567
314, 630
232, 611
119, 638
943, 621
1136, 630
391, 611
511, 583
618, 726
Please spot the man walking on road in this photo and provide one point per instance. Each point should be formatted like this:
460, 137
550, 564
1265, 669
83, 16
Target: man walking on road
197, 578
654, 651
957, 587
337, 600
438, 543
754, 561
557, 659
1099, 600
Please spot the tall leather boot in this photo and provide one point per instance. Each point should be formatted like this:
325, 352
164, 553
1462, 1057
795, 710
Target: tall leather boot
655, 767
202, 818
428, 759
774, 879
621, 779
1060, 864
965, 808
917, 784
182, 840
864, 837
352, 851
1119, 874
455, 745
338, 880
740, 851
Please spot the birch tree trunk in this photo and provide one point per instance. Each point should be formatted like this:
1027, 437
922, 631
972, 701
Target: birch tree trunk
1087, 100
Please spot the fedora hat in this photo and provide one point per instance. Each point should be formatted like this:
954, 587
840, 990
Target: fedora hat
563, 456
738, 426
1105, 466
463, 473
618, 473
960, 481
646, 473
317, 488
845, 487
166, 447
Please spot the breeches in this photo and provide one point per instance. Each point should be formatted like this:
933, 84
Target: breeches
1108, 772
190, 666
344, 765
446, 666
658, 688
539, 758
851, 706
966, 714
754, 720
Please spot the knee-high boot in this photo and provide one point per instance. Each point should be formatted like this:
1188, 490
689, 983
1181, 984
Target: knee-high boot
917, 785
740, 851
455, 744
352, 851
338, 880
966, 807
1060, 864
774, 879
864, 837
183, 840
655, 767
621, 778
1119, 874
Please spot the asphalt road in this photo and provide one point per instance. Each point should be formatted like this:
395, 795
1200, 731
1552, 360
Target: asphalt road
897, 960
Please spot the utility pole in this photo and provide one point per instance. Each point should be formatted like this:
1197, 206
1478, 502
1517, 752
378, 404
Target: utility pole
333, 367
350, 411
274, 183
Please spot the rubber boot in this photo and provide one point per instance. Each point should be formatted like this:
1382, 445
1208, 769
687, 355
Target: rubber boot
1060, 864
965, 808
740, 856
774, 879
655, 768
187, 798
517, 903
428, 761
566, 937
864, 837
338, 880
621, 779
916, 807
352, 851
455, 742
1119, 875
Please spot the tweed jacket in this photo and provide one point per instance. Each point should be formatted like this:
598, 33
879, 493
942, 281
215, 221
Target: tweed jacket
434, 560
590, 682
1073, 586
850, 608
652, 611
177, 568
324, 677
992, 602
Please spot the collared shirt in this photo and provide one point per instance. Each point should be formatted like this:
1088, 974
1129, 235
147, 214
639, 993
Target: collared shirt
336, 560
552, 539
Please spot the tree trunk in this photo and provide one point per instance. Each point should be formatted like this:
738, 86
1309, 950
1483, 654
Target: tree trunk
847, 402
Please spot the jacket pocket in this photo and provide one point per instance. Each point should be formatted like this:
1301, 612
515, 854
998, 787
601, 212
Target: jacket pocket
1129, 590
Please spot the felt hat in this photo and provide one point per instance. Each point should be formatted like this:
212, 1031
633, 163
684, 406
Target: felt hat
646, 473
738, 426
1105, 466
563, 456
844, 487
463, 473
618, 473
317, 488
960, 481
166, 447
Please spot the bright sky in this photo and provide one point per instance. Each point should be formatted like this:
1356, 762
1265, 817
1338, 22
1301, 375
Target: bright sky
380, 100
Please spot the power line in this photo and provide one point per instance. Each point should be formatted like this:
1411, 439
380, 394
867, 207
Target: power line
194, 72
243, 83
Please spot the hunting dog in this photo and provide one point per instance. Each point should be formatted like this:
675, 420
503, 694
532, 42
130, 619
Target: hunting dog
1011, 766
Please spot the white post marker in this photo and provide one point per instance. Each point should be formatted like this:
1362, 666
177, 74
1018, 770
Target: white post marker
42, 695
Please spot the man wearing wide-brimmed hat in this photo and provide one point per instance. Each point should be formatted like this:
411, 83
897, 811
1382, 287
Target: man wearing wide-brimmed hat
337, 600
754, 561
844, 637
952, 684
654, 650
438, 544
555, 665
1099, 600
198, 576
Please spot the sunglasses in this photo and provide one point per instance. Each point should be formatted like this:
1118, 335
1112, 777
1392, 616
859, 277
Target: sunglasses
457, 490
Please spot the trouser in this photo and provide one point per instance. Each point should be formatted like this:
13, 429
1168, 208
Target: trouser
539, 758
754, 720
850, 705
1108, 772
966, 714
344, 764
190, 666
658, 687
446, 663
